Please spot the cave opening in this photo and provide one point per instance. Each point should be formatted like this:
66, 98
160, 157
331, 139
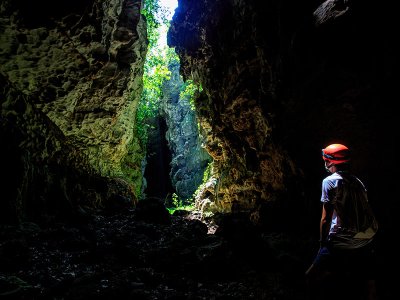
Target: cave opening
275, 88
174, 159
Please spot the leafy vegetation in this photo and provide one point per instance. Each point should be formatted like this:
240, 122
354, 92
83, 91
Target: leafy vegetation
156, 71
208, 172
179, 204
155, 16
189, 91
187, 204
206, 176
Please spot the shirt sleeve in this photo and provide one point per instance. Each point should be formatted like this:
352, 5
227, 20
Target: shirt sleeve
327, 185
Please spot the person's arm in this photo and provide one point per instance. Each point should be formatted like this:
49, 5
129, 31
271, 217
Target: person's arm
326, 218
325, 224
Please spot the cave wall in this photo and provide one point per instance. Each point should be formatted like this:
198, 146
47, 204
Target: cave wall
224, 46
78, 66
281, 80
188, 157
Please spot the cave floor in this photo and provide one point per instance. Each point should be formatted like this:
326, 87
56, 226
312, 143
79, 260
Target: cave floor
120, 256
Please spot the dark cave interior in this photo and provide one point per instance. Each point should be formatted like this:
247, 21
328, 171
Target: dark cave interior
45, 12
157, 172
280, 81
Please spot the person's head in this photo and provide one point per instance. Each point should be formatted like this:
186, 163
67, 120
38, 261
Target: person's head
336, 157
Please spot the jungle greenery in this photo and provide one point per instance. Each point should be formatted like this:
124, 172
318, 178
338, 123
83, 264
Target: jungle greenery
179, 204
188, 204
156, 70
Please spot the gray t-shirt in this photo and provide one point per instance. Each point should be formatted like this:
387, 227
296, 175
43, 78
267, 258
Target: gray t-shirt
353, 222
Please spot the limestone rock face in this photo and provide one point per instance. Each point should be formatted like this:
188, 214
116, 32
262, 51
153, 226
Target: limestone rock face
221, 45
80, 63
188, 157
282, 80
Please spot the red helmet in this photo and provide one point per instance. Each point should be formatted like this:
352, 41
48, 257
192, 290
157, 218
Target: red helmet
336, 154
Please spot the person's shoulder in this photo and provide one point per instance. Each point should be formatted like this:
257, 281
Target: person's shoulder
333, 177
330, 181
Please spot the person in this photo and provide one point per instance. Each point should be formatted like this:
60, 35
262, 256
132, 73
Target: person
348, 230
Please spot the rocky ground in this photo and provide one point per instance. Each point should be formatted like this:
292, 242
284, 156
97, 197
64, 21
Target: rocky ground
145, 253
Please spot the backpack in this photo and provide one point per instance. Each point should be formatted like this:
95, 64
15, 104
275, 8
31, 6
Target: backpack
352, 206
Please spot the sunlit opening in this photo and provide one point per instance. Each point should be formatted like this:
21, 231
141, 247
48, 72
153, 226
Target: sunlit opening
169, 8
176, 165
170, 5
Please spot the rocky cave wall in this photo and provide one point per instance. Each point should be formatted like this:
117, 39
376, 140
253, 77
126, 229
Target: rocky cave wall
175, 157
188, 157
281, 80
71, 76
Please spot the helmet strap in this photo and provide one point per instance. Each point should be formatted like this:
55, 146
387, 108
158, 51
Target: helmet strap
327, 167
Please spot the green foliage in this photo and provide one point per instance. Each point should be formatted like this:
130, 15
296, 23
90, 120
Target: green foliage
189, 207
179, 204
172, 57
156, 70
155, 73
188, 204
189, 91
175, 200
155, 16
208, 172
